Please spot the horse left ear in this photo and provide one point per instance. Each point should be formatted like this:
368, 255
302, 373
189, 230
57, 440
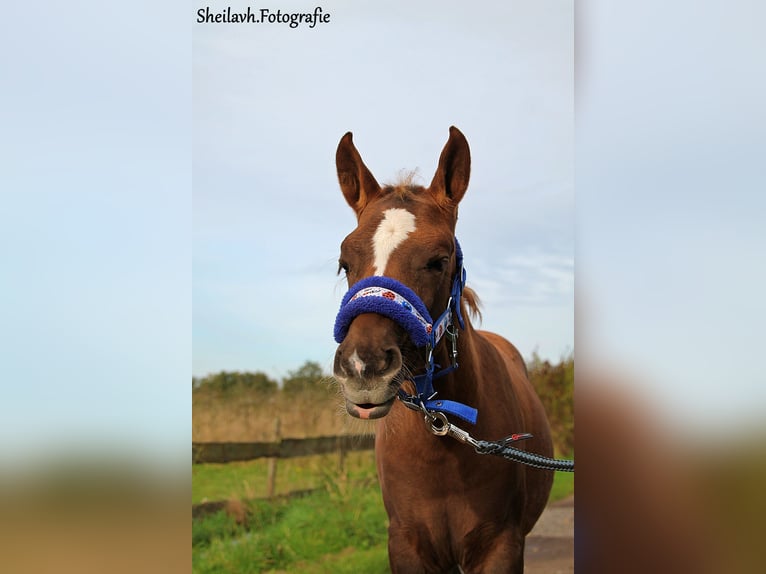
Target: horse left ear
454, 170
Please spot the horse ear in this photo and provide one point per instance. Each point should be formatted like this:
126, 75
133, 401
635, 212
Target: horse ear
356, 182
454, 170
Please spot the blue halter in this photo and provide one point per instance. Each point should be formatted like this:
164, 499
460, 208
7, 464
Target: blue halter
390, 298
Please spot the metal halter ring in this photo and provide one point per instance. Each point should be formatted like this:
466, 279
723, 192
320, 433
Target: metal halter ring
439, 425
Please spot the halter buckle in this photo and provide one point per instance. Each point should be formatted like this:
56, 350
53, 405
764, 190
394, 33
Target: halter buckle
452, 333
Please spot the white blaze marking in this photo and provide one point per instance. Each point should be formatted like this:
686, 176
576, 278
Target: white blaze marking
397, 224
357, 363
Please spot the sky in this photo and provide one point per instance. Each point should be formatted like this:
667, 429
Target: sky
271, 104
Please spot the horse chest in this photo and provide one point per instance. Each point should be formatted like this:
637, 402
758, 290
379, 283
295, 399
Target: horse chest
434, 470
447, 514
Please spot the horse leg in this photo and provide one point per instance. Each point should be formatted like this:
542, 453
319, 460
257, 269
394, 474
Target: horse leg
402, 556
504, 556
409, 553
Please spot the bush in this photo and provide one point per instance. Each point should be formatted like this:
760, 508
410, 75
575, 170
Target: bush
555, 386
308, 378
229, 382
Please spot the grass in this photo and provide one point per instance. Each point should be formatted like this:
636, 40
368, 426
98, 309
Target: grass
341, 528
250, 417
245, 480
563, 486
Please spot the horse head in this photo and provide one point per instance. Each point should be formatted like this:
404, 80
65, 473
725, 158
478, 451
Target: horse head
405, 234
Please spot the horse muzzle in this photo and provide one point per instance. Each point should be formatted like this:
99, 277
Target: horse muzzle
367, 363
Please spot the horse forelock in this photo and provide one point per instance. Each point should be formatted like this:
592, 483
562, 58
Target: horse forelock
405, 189
405, 184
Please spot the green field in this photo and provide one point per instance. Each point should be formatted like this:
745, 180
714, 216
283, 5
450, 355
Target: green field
341, 527
246, 480
328, 531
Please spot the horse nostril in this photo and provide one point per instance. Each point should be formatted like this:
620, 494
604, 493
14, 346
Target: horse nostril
382, 364
392, 356
341, 366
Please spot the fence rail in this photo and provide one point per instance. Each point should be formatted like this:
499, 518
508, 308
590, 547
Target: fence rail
223, 452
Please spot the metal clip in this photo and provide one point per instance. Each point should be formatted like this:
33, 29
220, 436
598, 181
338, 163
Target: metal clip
440, 426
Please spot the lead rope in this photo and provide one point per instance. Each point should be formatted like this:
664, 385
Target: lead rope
440, 426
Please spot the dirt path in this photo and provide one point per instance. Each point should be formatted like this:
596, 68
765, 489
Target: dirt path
550, 545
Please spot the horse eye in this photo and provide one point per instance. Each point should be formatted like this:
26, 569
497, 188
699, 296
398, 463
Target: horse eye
437, 264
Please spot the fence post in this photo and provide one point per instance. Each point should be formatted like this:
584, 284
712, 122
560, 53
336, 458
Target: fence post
341, 444
272, 477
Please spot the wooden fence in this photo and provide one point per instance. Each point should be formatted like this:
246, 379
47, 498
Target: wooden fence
222, 452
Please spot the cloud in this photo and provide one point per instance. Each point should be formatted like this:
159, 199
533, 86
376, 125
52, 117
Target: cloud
532, 279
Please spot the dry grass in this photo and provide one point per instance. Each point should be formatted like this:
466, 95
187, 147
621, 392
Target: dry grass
250, 417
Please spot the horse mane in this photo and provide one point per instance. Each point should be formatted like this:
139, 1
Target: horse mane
471, 302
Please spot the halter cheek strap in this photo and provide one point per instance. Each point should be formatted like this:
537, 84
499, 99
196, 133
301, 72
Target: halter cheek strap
390, 298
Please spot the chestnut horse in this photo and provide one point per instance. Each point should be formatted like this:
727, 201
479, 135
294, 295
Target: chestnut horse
449, 508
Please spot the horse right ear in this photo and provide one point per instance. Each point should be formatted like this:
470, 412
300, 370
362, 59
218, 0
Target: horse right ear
356, 182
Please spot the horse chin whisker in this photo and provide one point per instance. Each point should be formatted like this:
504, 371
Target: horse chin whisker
352, 425
403, 379
356, 426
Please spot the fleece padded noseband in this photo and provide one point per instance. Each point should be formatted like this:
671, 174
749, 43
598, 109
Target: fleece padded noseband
390, 298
